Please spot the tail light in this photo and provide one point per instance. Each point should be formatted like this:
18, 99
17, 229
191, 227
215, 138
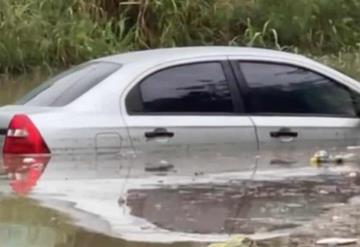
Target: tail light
24, 138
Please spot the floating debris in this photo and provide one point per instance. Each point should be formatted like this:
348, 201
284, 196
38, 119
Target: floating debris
337, 241
236, 241
323, 157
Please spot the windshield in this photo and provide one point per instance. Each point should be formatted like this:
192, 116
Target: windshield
69, 85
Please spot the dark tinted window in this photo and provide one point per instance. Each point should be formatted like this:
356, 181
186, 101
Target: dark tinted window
69, 85
193, 88
283, 89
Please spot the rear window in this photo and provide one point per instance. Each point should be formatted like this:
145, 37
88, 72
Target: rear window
69, 85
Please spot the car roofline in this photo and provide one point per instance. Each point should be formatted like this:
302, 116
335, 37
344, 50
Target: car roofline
179, 53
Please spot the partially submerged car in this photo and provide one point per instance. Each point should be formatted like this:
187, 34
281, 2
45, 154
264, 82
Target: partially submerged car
213, 102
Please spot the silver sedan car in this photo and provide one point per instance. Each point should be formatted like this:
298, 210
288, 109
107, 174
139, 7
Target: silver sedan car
211, 104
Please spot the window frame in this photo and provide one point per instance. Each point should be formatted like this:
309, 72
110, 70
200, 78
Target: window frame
245, 89
237, 102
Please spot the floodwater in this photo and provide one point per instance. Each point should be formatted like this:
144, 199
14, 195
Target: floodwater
243, 207
103, 201
75, 202
25, 223
12, 89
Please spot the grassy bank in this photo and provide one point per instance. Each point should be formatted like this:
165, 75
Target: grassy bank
53, 33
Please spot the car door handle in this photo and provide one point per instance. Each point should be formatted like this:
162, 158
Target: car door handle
159, 132
284, 133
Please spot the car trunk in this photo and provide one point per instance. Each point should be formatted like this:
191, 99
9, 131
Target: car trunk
8, 112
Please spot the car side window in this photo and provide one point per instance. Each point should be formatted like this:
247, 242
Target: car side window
186, 89
284, 89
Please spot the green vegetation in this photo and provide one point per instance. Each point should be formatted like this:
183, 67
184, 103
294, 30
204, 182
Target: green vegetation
53, 33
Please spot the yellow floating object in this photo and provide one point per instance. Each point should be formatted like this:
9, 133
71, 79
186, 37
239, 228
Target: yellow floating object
236, 241
322, 157
315, 161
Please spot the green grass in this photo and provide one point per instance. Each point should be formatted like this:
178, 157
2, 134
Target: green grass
346, 62
56, 34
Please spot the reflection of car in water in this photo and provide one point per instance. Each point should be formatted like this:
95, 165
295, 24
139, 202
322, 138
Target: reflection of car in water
215, 105
137, 203
24, 172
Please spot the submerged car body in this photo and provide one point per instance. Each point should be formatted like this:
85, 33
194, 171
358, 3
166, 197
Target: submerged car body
211, 104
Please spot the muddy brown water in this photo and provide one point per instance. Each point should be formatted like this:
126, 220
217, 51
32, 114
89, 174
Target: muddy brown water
236, 207
24, 223
243, 207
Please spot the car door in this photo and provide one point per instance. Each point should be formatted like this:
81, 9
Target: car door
297, 111
185, 117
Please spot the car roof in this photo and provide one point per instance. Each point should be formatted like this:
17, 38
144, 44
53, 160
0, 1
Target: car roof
170, 54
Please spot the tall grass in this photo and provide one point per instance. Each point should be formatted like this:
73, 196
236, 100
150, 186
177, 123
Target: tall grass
53, 33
